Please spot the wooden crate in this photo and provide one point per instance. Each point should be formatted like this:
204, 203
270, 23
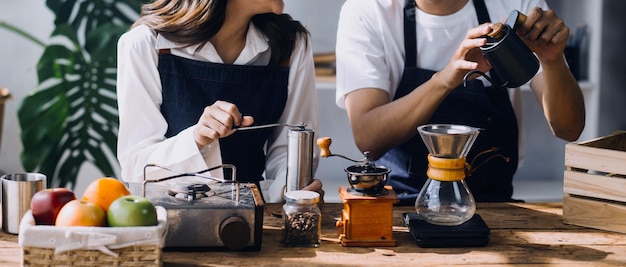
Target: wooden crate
595, 183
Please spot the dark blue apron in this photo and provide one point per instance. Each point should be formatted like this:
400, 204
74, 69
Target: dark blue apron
259, 91
494, 155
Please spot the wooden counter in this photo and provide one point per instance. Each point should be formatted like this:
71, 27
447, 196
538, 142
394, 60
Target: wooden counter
521, 234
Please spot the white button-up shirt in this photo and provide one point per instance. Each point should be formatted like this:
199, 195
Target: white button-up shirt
141, 138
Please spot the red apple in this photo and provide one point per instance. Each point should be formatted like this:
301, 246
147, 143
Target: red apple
81, 213
46, 204
132, 211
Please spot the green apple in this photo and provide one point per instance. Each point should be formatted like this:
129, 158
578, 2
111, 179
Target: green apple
131, 211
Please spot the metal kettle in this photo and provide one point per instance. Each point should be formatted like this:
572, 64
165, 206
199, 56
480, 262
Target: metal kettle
513, 64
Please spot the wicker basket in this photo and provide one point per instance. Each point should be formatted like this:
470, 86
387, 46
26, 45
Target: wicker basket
595, 183
128, 256
48, 246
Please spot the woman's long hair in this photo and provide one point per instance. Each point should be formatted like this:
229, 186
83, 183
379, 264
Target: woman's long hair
197, 21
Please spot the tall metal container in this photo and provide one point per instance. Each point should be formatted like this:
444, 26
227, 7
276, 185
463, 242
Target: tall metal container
299, 158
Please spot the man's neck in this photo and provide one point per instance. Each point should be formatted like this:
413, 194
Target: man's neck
440, 7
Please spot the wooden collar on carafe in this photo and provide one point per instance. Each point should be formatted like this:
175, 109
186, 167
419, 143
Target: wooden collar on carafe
446, 169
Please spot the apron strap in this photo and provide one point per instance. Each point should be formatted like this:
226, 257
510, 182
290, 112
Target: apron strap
481, 11
410, 35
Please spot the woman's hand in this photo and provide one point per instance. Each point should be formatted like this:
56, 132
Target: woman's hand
316, 186
467, 57
217, 121
544, 33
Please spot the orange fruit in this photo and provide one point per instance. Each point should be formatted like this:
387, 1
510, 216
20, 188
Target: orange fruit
104, 191
81, 213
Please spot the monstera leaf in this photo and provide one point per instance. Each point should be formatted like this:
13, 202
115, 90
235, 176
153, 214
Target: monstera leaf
71, 119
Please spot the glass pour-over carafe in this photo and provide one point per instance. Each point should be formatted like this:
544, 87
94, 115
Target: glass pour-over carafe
445, 198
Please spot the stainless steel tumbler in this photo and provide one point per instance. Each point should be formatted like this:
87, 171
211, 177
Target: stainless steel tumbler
17, 190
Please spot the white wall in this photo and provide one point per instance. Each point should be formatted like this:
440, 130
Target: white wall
320, 17
18, 60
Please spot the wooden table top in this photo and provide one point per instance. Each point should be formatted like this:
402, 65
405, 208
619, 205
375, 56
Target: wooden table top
521, 234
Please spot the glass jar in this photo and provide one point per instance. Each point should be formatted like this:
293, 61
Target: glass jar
303, 219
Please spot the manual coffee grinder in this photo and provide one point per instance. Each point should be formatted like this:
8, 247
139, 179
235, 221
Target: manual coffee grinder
367, 216
445, 208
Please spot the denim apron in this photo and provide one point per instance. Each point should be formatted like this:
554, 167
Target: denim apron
494, 155
259, 91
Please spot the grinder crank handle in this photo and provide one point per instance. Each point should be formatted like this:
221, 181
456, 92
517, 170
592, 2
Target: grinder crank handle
324, 144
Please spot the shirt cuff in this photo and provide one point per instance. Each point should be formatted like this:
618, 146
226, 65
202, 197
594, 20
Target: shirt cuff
273, 189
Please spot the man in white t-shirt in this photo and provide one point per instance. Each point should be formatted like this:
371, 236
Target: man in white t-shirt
401, 63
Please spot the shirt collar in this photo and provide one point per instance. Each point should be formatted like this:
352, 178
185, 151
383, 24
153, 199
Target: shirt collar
256, 43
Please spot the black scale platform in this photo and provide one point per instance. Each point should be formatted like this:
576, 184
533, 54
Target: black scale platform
473, 233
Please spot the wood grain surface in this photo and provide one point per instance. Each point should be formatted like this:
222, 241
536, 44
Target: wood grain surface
521, 234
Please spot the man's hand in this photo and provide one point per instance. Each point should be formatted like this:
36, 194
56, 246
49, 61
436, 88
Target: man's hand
467, 57
544, 33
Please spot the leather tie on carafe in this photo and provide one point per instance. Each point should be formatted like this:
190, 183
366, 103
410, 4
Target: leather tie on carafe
472, 167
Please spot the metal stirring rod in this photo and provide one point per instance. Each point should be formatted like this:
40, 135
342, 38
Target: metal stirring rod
267, 126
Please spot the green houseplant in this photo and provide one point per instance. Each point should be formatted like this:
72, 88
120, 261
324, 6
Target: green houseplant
70, 119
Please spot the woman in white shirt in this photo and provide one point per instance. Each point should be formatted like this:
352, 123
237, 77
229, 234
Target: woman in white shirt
400, 64
191, 71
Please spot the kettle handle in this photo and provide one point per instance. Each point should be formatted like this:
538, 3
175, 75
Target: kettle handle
467, 75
